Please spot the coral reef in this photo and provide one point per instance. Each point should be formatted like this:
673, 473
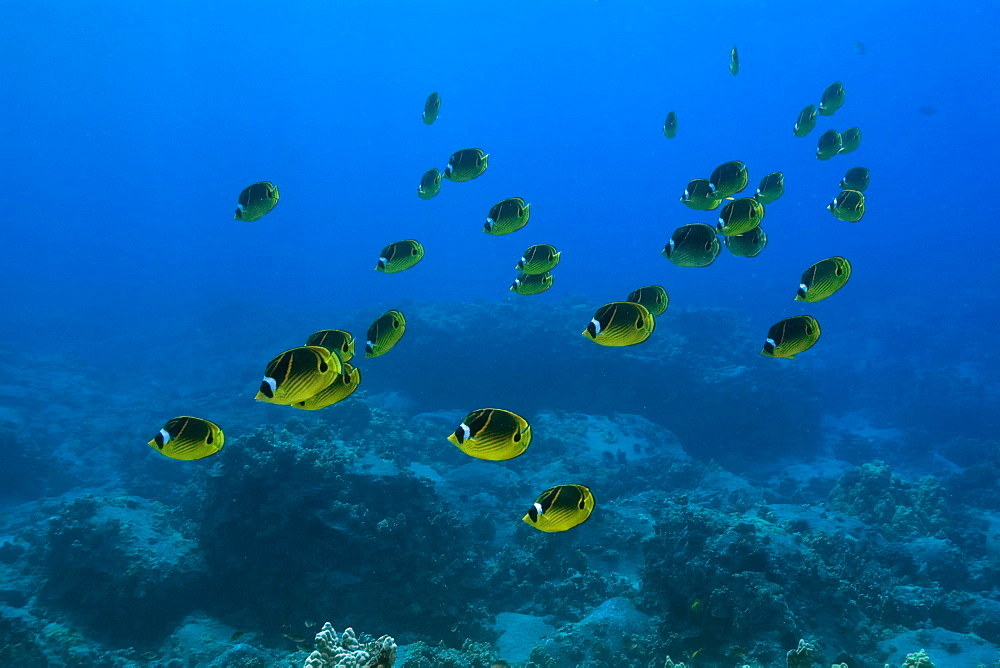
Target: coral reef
347, 652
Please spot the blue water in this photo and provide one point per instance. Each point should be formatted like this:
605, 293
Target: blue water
129, 130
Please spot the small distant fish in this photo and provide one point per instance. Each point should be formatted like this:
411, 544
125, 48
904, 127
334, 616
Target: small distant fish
693, 245
696, 606
791, 336
430, 184
849, 206
823, 279
698, 196
832, 100
856, 178
148, 656
506, 216
806, 122
432, 106
188, 438
466, 164
620, 324
734, 62
494, 434
342, 387
927, 111
748, 244
560, 508
538, 259
653, 297
728, 179
384, 333
771, 188
859, 48
304, 647
295, 637
237, 635
851, 140
739, 216
256, 200
336, 340
531, 284
830, 143
670, 125
399, 256
297, 374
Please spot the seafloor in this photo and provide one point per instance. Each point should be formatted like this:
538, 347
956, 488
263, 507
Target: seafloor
743, 503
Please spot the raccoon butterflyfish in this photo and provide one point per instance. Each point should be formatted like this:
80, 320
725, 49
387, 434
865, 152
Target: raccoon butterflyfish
670, 125
829, 145
384, 333
698, 196
337, 340
739, 216
188, 438
806, 121
850, 140
531, 284
856, 178
620, 324
507, 216
492, 433
560, 508
728, 179
771, 188
734, 62
653, 297
256, 200
823, 279
466, 164
430, 184
832, 100
791, 336
693, 245
849, 206
432, 106
298, 373
748, 244
538, 259
342, 387
399, 255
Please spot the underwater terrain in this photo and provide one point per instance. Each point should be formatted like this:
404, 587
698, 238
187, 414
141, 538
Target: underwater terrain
756, 489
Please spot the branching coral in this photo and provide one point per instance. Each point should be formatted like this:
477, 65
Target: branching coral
347, 652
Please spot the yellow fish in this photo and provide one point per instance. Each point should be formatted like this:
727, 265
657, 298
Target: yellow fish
806, 121
256, 200
823, 279
384, 333
670, 125
507, 216
791, 336
531, 284
336, 340
466, 164
692, 245
492, 433
833, 99
432, 106
653, 297
560, 508
734, 62
848, 206
538, 259
342, 387
399, 255
297, 374
739, 216
188, 438
430, 184
620, 324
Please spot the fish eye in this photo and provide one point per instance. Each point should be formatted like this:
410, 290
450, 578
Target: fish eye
395, 324
323, 367
517, 437
638, 322
209, 440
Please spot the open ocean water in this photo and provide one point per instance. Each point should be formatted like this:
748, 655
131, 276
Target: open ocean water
842, 507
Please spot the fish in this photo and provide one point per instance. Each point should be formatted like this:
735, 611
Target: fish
432, 106
531, 284
670, 125
335, 340
297, 374
734, 62
823, 279
806, 122
693, 245
384, 333
466, 164
538, 259
494, 434
739, 216
849, 205
748, 244
256, 200
653, 297
859, 48
850, 140
698, 196
620, 324
771, 188
560, 508
295, 637
832, 99
791, 336
342, 387
188, 438
728, 179
506, 216
856, 178
399, 256
830, 143
430, 184
237, 635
